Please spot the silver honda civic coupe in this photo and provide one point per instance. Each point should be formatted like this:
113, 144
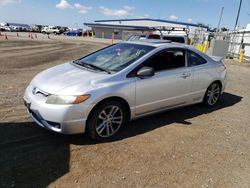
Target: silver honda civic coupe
99, 93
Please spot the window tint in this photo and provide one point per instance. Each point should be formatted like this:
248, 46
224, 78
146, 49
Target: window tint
154, 36
195, 59
167, 60
174, 39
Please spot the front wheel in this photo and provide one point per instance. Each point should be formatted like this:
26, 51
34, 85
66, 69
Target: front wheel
106, 120
212, 94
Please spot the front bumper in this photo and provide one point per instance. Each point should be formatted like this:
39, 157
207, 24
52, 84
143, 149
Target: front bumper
64, 119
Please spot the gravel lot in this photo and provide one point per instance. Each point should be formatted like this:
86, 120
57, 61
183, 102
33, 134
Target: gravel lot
189, 147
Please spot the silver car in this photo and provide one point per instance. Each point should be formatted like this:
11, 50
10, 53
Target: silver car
102, 91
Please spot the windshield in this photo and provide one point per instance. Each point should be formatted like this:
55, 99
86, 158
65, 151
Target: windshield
115, 57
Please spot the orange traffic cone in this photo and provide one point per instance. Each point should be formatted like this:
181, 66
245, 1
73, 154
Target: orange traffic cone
6, 37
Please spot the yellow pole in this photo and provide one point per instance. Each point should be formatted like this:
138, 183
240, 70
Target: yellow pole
112, 38
103, 35
82, 33
92, 34
206, 45
242, 51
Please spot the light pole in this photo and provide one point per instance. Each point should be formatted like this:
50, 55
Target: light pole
237, 18
218, 27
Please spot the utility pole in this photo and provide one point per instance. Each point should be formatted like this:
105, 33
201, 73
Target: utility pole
221, 13
237, 18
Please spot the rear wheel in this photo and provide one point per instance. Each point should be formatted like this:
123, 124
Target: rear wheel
106, 120
212, 94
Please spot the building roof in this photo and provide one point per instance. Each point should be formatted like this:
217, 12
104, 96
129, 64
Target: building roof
17, 24
155, 20
116, 26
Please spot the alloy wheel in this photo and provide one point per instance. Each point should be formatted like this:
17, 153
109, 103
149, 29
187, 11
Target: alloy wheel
213, 94
109, 121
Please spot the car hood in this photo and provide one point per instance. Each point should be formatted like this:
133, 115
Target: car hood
64, 76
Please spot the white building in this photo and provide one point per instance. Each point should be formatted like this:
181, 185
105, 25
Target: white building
240, 40
123, 28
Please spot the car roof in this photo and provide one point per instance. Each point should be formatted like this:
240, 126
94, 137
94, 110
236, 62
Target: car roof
158, 43
168, 44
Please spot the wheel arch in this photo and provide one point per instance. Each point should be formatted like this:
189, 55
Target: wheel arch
218, 81
112, 98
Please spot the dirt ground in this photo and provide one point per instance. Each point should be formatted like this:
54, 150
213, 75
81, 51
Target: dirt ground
189, 147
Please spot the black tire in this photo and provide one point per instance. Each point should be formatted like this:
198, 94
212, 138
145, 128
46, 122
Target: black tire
212, 95
96, 120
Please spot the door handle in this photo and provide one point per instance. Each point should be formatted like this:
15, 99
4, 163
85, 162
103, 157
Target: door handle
185, 75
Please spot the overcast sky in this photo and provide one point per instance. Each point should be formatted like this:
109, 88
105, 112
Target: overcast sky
74, 13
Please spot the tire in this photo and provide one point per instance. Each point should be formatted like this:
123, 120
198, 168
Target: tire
212, 94
106, 120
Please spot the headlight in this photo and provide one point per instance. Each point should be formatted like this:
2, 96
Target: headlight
66, 99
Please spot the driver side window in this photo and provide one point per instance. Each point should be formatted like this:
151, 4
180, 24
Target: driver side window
167, 59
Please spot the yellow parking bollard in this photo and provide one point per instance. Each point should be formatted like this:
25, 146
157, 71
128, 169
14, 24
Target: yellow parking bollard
92, 34
199, 47
112, 38
242, 51
206, 46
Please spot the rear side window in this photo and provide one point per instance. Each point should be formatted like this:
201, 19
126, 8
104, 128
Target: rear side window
195, 59
168, 59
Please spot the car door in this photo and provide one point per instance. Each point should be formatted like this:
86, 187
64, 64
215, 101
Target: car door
169, 87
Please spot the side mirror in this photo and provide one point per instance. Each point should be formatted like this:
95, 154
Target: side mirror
145, 72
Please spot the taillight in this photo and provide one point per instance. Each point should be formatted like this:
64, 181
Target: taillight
225, 67
223, 64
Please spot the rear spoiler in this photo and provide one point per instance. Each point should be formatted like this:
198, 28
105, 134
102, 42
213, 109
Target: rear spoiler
217, 58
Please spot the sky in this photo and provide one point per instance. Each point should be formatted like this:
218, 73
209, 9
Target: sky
73, 13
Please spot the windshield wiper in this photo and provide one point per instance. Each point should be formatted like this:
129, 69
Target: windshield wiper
98, 68
91, 66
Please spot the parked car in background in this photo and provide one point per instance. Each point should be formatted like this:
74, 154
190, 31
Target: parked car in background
100, 92
2, 28
77, 32
174, 38
7, 28
52, 30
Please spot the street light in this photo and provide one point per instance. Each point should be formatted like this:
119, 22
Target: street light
237, 18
